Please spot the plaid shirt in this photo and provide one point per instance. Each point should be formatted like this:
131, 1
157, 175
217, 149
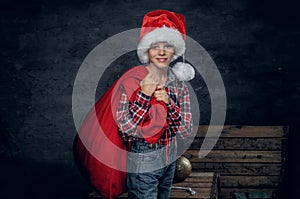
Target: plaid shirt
179, 117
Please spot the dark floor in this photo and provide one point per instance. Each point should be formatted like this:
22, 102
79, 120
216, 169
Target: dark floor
33, 181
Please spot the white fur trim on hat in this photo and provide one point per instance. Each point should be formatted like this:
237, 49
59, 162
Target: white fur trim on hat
183, 71
163, 34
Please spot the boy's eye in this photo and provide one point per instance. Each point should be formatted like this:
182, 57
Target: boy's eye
169, 46
154, 47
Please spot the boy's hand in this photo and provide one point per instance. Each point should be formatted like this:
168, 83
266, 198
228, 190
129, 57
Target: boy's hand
161, 94
148, 84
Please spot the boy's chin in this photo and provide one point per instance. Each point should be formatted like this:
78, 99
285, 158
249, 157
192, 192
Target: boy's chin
161, 65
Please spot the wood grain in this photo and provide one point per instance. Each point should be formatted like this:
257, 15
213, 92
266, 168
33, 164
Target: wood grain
235, 156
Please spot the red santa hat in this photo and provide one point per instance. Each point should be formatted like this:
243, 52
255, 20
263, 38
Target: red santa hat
165, 26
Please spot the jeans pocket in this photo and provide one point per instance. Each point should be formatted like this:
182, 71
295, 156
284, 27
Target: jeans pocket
150, 157
151, 161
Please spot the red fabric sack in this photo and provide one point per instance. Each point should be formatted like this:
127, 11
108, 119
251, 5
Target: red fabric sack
99, 151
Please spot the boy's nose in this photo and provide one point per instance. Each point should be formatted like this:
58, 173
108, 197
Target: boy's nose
161, 51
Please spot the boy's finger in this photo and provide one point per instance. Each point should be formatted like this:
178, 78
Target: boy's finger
160, 87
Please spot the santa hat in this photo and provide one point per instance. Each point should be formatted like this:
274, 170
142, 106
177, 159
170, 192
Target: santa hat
165, 26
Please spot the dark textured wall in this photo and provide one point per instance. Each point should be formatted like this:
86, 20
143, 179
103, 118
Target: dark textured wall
43, 43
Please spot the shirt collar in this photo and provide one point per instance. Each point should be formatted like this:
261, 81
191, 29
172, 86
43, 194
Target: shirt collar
171, 76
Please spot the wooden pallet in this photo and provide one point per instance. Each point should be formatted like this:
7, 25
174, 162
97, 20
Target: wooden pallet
248, 158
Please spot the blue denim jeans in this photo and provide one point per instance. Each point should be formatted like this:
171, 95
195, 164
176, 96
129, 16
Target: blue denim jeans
150, 170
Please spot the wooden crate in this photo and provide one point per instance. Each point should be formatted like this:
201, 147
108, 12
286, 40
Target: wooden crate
248, 158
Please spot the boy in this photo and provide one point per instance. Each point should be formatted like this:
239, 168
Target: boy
153, 111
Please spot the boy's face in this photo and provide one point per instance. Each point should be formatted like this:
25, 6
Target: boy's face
160, 54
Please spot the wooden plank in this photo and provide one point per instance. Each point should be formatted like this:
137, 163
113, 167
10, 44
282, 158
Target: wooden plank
202, 193
239, 168
195, 180
235, 156
249, 181
200, 175
194, 185
244, 131
241, 143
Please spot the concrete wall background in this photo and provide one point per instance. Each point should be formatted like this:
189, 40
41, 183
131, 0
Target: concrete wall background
43, 43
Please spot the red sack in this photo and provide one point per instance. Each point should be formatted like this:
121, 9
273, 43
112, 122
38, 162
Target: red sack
99, 150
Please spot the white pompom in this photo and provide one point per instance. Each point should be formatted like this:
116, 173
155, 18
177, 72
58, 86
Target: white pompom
183, 71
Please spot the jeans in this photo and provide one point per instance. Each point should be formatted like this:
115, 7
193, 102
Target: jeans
150, 170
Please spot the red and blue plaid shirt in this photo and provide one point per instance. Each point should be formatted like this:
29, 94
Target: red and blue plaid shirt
179, 117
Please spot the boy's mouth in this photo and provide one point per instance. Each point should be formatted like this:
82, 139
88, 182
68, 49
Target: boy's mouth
161, 59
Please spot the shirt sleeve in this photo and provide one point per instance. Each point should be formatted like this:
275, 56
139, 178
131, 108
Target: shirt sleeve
129, 114
174, 112
180, 115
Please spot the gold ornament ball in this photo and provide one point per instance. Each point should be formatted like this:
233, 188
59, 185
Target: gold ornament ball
183, 169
